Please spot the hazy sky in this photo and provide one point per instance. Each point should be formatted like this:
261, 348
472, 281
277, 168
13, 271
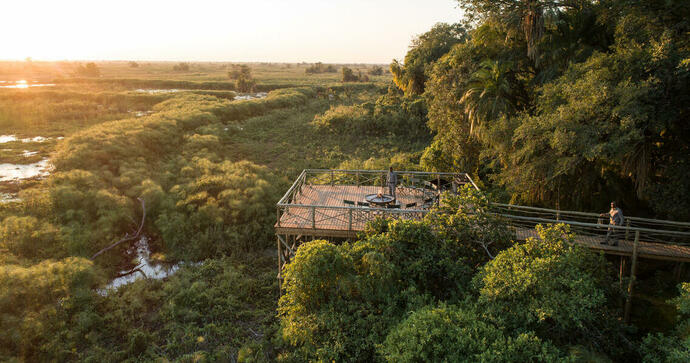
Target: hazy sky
345, 31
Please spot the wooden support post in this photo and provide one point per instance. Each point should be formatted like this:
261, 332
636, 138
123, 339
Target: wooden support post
313, 217
331, 177
438, 180
349, 227
681, 271
621, 273
633, 266
678, 271
278, 215
280, 266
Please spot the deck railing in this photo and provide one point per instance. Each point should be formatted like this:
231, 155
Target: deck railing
353, 218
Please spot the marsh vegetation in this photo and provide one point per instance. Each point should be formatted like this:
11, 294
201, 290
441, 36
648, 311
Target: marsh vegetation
547, 103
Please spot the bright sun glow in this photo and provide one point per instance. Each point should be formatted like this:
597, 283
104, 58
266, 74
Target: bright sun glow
357, 31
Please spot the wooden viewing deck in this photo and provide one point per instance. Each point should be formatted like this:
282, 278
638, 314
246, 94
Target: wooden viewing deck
320, 210
322, 204
316, 204
315, 207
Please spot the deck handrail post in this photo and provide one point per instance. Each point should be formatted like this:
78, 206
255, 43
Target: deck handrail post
349, 227
357, 177
278, 215
313, 217
438, 180
633, 266
627, 230
331, 177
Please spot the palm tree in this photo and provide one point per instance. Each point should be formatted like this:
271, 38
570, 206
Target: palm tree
489, 94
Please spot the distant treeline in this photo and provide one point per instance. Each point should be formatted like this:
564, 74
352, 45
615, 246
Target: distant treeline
321, 68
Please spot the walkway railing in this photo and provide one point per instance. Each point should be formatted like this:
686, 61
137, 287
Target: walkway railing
592, 224
431, 185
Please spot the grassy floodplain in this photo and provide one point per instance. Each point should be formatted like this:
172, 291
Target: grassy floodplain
180, 141
551, 104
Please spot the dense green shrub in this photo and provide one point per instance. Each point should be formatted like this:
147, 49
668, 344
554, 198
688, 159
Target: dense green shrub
467, 220
348, 119
556, 288
399, 161
219, 209
91, 213
29, 238
208, 310
340, 301
452, 334
32, 301
391, 114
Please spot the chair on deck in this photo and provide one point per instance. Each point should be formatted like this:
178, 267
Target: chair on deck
410, 205
392, 206
349, 202
430, 185
363, 204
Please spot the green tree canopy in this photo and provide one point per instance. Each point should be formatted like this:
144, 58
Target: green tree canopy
410, 76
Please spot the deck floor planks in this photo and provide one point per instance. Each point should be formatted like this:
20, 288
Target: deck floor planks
299, 216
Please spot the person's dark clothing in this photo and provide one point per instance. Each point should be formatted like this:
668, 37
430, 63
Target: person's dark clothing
615, 218
392, 181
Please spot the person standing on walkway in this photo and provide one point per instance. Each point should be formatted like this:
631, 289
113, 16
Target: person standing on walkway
392, 181
615, 219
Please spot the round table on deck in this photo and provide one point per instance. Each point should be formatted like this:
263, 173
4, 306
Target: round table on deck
382, 200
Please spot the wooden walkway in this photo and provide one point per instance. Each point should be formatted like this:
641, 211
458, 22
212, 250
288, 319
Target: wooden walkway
320, 211
657, 251
314, 207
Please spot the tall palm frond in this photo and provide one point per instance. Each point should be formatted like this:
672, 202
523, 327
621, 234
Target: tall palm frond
488, 95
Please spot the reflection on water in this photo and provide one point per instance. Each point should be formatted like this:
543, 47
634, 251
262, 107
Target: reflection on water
13, 172
24, 84
149, 269
154, 91
7, 138
11, 138
250, 96
141, 113
7, 198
